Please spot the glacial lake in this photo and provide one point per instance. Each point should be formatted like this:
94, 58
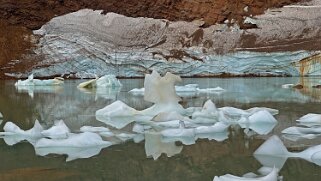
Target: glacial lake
128, 161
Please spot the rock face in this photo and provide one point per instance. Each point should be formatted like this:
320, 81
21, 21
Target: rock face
88, 42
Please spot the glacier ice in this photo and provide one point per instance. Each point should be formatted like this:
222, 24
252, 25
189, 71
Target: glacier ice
36, 82
58, 131
104, 81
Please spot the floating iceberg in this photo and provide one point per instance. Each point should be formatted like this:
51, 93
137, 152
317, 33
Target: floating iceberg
302, 132
118, 115
159, 90
36, 82
58, 131
154, 146
273, 147
272, 176
188, 90
82, 145
262, 122
310, 118
286, 86
86, 139
104, 81
208, 114
13, 134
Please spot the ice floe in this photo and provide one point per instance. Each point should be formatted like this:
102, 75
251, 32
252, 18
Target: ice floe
58, 131
36, 82
188, 90
104, 81
272, 176
82, 145
13, 134
274, 148
310, 118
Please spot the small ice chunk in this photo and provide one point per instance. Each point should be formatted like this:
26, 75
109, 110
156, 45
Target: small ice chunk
138, 128
208, 114
12, 129
94, 129
211, 90
257, 109
104, 81
36, 82
86, 139
168, 116
216, 128
118, 115
310, 118
301, 130
175, 124
125, 136
58, 131
286, 86
272, 176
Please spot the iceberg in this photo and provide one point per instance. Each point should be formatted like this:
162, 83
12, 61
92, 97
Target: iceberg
102, 131
310, 118
273, 147
83, 145
188, 90
261, 122
208, 114
58, 131
272, 176
36, 82
86, 139
13, 134
104, 81
185, 135
159, 90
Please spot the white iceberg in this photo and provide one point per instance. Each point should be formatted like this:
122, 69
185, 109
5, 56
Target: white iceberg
208, 114
154, 146
118, 115
188, 90
72, 153
159, 90
262, 122
272, 176
286, 86
58, 131
36, 82
216, 128
273, 147
102, 131
13, 134
80, 140
302, 131
310, 118
83, 145
104, 81
125, 136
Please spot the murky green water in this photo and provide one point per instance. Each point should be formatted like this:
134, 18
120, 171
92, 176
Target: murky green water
128, 161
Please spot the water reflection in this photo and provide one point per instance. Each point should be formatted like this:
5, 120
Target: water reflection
231, 153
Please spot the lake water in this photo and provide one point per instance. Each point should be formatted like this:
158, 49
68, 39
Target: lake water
128, 161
